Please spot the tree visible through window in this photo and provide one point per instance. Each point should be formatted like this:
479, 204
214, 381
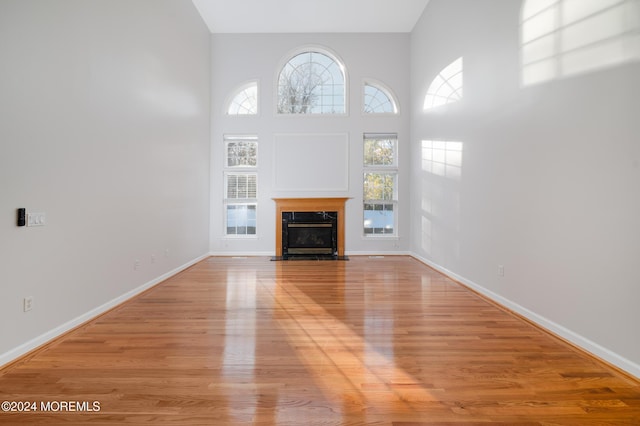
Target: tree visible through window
380, 183
311, 83
240, 185
242, 153
378, 100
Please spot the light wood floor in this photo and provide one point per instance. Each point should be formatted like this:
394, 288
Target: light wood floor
365, 341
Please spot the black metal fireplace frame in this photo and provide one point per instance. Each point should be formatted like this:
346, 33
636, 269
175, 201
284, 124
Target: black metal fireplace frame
297, 226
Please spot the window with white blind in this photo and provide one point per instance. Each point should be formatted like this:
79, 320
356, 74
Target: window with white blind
380, 184
240, 185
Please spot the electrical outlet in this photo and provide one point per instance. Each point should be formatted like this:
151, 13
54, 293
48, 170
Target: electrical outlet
153, 258
501, 270
136, 265
27, 303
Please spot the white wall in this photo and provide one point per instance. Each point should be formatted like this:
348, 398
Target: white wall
104, 126
549, 185
242, 58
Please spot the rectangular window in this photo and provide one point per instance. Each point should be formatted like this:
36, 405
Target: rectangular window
242, 153
380, 150
380, 186
241, 219
240, 185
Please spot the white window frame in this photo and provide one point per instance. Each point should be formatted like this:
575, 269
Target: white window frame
389, 169
246, 170
382, 88
226, 223
239, 139
311, 49
241, 91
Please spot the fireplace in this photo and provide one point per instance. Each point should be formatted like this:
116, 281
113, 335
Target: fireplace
309, 233
310, 227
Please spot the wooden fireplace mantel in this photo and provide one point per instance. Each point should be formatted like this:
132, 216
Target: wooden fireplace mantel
334, 204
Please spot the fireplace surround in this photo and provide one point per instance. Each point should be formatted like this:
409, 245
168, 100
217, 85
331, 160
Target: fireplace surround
309, 227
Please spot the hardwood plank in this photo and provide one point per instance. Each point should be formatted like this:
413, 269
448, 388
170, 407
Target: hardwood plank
386, 341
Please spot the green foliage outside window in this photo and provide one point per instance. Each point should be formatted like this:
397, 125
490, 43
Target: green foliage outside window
379, 186
379, 152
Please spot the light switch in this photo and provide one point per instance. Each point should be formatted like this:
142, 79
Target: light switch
36, 219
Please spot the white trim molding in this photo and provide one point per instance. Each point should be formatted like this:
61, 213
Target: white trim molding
570, 336
58, 331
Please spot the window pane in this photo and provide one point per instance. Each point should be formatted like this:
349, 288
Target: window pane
378, 218
380, 183
377, 101
311, 83
245, 102
379, 186
379, 151
242, 154
241, 186
241, 219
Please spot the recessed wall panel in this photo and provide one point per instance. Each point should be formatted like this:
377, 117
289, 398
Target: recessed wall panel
311, 162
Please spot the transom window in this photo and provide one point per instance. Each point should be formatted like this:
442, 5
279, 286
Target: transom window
244, 101
240, 185
380, 184
311, 83
378, 100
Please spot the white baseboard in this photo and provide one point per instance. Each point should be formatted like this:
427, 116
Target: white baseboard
587, 345
242, 253
44, 338
582, 342
377, 253
347, 253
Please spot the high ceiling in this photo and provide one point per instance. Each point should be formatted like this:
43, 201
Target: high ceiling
305, 16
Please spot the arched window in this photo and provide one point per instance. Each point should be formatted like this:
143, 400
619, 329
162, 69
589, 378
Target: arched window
378, 99
244, 101
312, 82
566, 37
446, 87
